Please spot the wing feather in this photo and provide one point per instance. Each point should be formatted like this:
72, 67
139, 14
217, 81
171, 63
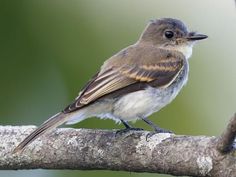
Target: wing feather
115, 78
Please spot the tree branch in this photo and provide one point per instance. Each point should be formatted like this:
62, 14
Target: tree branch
84, 149
226, 140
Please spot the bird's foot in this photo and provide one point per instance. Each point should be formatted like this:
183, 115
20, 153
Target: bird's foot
123, 131
157, 130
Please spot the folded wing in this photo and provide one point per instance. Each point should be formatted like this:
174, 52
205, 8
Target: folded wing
163, 73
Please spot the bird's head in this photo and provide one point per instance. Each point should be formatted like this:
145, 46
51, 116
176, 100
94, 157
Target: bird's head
171, 34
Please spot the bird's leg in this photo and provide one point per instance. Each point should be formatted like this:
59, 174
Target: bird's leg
127, 128
156, 128
126, 124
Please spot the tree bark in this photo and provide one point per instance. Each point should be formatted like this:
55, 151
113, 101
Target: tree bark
83, 149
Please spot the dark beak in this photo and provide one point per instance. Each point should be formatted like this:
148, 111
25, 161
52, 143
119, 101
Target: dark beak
194, 36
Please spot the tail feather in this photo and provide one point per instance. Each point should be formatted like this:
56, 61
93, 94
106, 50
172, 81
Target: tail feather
48, 125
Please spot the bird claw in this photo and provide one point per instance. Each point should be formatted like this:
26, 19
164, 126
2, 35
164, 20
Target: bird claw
123, 131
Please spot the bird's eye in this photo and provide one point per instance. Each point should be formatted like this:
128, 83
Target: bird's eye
169, 34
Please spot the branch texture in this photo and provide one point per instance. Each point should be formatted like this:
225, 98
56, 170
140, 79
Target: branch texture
84, 149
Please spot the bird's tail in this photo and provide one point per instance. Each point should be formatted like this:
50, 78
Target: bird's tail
48, 125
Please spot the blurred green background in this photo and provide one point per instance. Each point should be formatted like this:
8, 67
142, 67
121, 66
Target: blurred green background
49, 49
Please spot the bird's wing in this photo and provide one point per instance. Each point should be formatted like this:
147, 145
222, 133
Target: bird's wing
115, 78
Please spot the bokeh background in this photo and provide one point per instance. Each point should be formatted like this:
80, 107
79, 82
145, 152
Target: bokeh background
49, 49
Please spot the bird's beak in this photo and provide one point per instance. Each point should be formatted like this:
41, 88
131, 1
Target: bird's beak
194, 36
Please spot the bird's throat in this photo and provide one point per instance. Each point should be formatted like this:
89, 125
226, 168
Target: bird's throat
185, 50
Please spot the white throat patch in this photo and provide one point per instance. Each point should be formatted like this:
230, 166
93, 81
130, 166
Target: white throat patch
185, 50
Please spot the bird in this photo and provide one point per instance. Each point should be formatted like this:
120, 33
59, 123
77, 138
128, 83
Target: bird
134, 83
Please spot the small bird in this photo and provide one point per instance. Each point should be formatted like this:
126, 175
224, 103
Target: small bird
134, 83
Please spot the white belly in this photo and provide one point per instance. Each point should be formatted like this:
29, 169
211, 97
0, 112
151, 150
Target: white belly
143, 103
130, 107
